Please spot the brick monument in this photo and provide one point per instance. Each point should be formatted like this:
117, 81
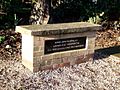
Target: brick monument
56, 45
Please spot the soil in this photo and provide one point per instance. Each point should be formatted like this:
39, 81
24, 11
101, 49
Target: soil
107, 38
11, 45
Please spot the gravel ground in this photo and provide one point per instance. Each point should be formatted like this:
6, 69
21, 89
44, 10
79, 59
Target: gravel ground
102, 74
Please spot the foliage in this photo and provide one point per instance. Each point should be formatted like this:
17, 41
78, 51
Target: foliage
2, 38
111, 8
14, 10
73, 9
84, 10
111, 16
17, 12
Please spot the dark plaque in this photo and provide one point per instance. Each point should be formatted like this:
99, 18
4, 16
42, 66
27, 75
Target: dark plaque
58, 45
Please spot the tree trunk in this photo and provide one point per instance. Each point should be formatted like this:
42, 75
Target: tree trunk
40, 12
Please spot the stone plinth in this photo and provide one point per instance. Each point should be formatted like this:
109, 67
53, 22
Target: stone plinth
56, 45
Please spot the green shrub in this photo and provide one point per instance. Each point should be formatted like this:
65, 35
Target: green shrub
84, 10
2, 38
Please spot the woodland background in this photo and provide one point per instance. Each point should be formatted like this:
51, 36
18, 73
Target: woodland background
19, 12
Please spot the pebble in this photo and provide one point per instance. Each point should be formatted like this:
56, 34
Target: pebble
8, 46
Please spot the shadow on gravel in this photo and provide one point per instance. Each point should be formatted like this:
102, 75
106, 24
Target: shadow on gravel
105, 52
